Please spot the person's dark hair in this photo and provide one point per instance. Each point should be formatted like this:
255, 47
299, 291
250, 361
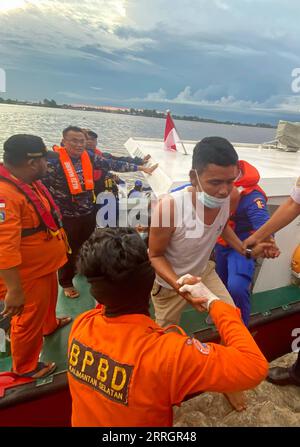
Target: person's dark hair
21, 147
91, 134
111, 252
71, 129
116, 264
215, 150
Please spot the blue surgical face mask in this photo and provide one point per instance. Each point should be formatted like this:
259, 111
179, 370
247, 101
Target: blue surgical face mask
208, 200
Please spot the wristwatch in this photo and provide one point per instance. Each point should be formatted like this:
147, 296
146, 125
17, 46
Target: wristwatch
248, 253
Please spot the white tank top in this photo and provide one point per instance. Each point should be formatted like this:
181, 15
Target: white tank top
295, 194
191, 254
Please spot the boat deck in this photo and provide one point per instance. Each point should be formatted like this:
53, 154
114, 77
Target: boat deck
47, 402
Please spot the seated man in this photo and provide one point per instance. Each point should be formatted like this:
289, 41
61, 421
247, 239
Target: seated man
124, 369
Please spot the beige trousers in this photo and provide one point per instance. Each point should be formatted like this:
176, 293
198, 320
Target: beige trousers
168, 305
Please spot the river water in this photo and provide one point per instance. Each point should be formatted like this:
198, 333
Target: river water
113, 129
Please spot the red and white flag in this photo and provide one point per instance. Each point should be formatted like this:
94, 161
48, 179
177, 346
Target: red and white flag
171, 135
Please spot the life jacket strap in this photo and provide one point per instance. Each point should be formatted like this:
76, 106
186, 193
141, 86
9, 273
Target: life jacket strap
30, 231
66, 241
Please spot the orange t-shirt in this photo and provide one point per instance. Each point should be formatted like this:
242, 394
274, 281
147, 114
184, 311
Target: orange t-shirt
127, 371
35, 255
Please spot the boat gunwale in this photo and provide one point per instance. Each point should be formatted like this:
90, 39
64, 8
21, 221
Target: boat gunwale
33, 390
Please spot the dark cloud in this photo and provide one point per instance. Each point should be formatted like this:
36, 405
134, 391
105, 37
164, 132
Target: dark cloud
232, 55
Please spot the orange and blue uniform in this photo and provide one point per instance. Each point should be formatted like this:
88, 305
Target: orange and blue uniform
128, 371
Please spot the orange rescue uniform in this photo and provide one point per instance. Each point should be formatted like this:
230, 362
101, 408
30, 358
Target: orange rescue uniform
127, 371
37, 257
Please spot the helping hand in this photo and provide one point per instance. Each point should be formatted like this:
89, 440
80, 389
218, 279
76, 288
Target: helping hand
273, 251
251, 241
188, 279
146, 159
267, 249
116, 178
198, 295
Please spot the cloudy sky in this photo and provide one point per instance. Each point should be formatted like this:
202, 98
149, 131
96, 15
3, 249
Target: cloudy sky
224, 59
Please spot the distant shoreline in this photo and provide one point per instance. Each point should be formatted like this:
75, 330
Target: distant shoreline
127, 111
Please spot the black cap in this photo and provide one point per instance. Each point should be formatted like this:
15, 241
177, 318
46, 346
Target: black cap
22, 147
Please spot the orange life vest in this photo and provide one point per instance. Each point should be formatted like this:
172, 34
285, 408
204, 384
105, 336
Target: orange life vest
249, 179
247, 183
71, 174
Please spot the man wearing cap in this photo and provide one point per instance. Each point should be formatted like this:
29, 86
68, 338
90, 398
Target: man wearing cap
32, 249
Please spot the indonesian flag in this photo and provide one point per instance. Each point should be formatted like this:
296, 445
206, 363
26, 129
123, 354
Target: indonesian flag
171, 135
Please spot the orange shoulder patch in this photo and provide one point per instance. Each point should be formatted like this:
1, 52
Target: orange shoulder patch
202, 347
260, 204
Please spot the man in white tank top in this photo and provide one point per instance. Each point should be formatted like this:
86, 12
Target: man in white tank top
182, 240
198, 216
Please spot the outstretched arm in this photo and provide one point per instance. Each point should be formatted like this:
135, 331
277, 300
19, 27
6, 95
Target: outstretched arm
237, 366
284, 215
120, 166
231, 238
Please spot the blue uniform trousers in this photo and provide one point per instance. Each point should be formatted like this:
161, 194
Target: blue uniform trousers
237, 273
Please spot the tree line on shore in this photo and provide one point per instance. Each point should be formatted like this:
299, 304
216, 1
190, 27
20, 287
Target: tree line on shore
136, 112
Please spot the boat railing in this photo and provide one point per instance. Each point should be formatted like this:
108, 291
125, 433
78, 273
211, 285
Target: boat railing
287, 137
